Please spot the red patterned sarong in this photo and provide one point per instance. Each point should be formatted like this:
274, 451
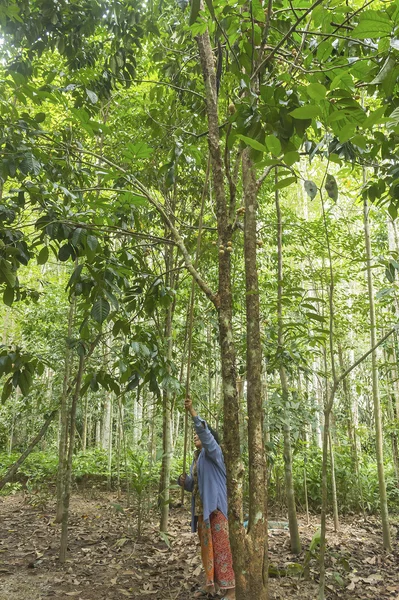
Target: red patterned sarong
215, 550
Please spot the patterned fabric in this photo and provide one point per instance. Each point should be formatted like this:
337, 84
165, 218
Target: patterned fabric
215, 550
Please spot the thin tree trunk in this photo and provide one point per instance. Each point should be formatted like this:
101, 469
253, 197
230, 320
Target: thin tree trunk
119, 420
257, 526
106, 428
85, 424
318, 406
324, 502
391, 416
109, 448
305, 490
328, 406
351, 427
167, 418
68, 472
289, 480
333, 484
63, 435
376, 396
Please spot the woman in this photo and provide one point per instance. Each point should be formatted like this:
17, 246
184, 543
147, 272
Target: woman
207, 482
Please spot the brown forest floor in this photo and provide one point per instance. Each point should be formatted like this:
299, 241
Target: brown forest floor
106, 561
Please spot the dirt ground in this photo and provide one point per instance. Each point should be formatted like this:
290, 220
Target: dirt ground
106, 561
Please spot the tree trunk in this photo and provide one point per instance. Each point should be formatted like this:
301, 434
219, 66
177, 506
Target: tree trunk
63, 435
167, 413
333, 484
318, 406
85, 426
107, 421
257, 526
376, 395
289, 480
241, 556
351, 425
324, 501
109, 448
328, 406
68, 472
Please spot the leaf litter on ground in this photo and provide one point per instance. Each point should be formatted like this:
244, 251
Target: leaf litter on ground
106, 560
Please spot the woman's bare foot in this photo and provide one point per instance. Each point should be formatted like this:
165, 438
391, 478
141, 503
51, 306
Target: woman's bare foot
229, 594
204, 590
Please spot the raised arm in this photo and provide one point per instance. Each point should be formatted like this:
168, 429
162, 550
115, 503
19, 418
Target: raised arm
209, 443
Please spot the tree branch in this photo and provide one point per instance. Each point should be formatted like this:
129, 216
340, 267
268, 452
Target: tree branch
166, 219
362, 358
285, 38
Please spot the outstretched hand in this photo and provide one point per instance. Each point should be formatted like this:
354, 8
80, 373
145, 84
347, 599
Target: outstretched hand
188, 404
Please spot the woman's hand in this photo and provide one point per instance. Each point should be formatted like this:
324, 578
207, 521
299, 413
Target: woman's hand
188, 404
182, 479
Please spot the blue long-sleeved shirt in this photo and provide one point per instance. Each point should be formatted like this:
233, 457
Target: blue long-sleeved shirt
211, 474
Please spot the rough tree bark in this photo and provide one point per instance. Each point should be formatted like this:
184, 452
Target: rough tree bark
226, 339
257, 526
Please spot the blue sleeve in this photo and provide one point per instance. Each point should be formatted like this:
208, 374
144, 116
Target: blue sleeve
189, 483
209, 443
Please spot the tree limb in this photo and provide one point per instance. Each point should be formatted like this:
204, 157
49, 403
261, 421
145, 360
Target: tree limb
362, 358
285, 38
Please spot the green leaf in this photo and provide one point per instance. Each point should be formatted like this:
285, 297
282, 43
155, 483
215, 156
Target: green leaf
8, 296
64, 252
6, 274
324, 51
393, 118
40, 117
100, 310
252, 143
209, 4
7, 389
283, 183
25, 381
309, 111
315, 317
92, 242
42, 257
92, 96
310, 189
112, 299
373, 24
315, 540
375, 118
134, 199
273, 145
75, 275
195, 8
387, 67
291, 158
316, 91
29, 164
331, 187
360, 141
